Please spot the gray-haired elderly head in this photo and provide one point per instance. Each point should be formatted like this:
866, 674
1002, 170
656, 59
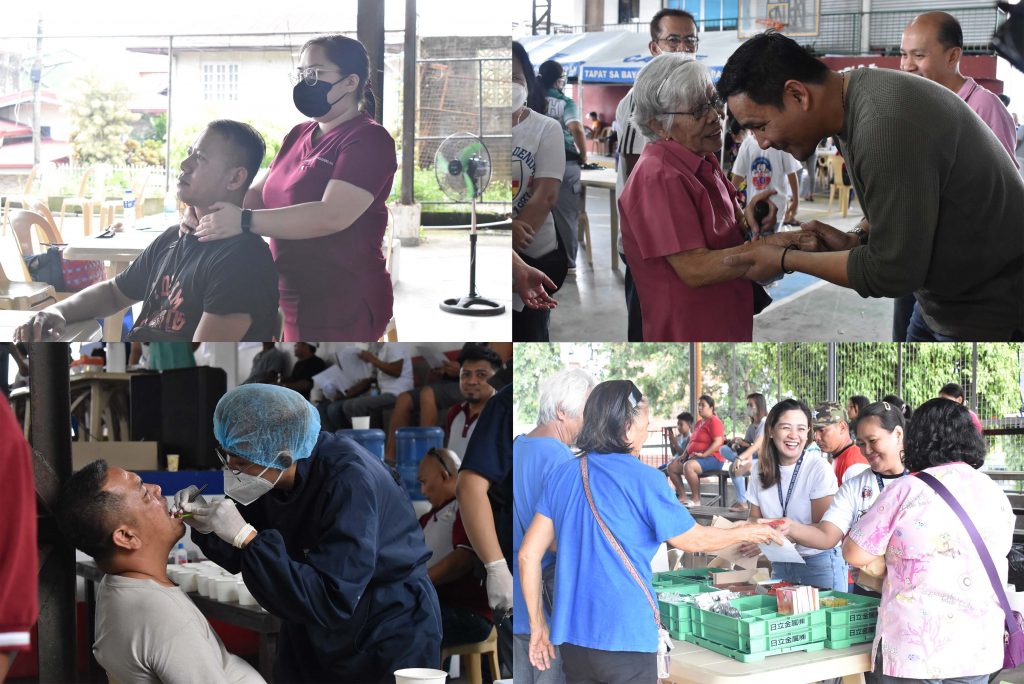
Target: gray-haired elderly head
566, 390
671, 82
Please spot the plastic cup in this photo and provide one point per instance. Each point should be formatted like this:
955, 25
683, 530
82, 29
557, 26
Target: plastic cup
420, 675
202, 584
361, 422
245, 597
227, 589
187, 580
173, 460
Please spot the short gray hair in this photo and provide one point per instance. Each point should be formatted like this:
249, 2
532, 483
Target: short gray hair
566, 390
671, 82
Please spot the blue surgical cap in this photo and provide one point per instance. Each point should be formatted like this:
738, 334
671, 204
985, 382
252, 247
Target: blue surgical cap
258, 422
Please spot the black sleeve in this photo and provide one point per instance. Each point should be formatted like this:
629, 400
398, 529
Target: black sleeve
489, 452
135, 280
240, 278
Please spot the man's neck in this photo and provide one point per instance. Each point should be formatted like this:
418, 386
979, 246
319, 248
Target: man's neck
837, 96
475, 407
235, 199
553, 430
954, 81
142, 567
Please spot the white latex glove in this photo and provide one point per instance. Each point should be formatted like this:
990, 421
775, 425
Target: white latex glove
184, 496
222, 518
499, 585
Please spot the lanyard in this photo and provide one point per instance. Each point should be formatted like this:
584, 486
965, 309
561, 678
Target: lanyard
881, 482
792, 484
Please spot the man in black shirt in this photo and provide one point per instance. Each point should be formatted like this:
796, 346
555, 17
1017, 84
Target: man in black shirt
191, 291
308, 365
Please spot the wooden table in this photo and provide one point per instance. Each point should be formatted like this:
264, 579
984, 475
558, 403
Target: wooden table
83, 331
247, 617
118, 251
692, 664
604, 179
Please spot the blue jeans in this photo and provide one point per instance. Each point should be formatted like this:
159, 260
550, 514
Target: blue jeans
902, 310
738, 481
918, 330
525, 673
825, 570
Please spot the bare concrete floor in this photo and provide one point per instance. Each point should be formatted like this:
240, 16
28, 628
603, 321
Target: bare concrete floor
592, 307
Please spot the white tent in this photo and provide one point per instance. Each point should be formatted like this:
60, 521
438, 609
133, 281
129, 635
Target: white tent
621, 62
577, 49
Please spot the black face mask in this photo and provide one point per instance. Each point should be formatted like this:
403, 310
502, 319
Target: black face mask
312, 100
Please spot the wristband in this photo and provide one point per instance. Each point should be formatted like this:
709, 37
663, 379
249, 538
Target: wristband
242, 534
783, 262
246, 220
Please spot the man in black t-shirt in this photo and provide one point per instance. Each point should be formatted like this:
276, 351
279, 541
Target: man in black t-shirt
191, 291
308, 365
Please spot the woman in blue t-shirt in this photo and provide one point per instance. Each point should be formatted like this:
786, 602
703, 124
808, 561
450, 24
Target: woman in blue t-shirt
601, 619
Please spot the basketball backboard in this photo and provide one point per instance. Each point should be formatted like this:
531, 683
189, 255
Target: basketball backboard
791, 17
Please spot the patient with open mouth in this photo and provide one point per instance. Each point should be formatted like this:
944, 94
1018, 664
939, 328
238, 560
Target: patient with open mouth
680, 215
195, 291
147, 629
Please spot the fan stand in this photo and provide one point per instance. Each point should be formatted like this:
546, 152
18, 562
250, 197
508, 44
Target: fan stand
472, 304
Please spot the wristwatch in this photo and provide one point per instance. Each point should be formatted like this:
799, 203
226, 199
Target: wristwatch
862, 235
246, 220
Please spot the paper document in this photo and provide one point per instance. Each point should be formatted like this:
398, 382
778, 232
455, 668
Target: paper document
786, 553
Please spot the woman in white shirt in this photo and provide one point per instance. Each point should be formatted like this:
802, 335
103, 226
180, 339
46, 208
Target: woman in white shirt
788, 483
538, 163
880, 438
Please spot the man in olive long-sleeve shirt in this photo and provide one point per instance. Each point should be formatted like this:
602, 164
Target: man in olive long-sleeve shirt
943, 203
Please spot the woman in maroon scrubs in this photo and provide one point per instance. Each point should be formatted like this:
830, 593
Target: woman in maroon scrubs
322, 202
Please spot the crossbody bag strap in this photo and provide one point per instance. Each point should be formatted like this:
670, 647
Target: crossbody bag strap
986, 557
615, 543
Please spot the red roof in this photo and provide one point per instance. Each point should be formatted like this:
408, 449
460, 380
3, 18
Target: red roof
19, 156
11, 129
45, 96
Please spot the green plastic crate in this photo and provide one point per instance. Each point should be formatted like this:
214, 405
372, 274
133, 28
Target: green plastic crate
759, 617
754, 657
762, 644
683, 576
678, 629
848, 635
859, 610
680, 611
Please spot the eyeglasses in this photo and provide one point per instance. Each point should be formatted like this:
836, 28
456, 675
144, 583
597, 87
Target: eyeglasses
674, 40
715, 103
310, 75
437, 454
223, 455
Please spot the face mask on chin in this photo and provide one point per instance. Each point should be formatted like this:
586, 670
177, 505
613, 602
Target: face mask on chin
311, 100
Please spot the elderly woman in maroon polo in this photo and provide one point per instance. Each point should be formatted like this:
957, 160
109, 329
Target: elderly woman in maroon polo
680, 214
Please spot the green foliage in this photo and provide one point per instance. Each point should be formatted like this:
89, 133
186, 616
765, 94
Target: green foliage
426, 189
148, 152
159, 125
732, 371
182, 139
101, 121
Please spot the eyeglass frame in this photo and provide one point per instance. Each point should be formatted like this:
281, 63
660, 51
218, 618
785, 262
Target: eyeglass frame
715, 103
223, 455
300, 74
692, 40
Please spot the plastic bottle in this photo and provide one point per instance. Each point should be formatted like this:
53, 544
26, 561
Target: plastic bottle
374, 389
129, 208
180, 554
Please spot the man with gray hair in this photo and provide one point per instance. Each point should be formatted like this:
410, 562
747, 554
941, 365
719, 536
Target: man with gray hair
559, 418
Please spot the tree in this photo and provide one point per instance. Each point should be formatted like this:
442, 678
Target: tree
101, 121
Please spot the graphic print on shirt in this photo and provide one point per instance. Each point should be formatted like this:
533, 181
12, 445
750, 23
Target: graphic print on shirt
523, 168
760, 173
165, 302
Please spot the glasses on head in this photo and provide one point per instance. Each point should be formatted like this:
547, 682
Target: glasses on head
437, 454
223, 455
715, 103
310, 75
674, 40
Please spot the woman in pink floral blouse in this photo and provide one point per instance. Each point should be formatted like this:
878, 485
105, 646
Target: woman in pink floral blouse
939, 619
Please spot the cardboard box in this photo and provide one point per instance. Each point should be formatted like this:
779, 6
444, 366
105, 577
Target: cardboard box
127, 455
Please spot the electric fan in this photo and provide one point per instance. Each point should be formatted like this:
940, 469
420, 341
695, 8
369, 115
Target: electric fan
462, 166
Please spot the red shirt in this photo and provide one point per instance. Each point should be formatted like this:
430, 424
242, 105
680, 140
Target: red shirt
334, 287
458, 428
703, 434
19, 606
467, 591
846, 458
676, 201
